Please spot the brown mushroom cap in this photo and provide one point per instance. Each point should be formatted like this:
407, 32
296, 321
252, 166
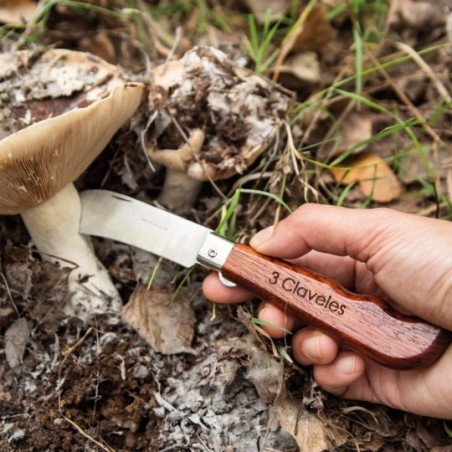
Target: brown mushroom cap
237, 111
58, 110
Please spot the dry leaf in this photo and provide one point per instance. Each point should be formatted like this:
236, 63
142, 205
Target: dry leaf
98, 44
259, 8
16, 338
268, 377
168, 328
300, 70
355, 129
307, 429
310, 33
14, 12
375, 177
315, 32
351, 129
266, 373
415, 14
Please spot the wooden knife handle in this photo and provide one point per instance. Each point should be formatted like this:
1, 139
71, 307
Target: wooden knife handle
362, 323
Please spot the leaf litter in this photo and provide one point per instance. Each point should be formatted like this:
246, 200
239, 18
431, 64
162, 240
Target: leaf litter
173, 377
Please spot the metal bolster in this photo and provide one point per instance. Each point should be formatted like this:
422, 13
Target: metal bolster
214, 251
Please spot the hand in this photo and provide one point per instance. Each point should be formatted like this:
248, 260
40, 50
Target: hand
399, 257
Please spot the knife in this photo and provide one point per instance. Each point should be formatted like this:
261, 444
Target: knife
362, 323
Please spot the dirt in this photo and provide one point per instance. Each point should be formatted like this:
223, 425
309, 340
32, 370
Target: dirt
101, 387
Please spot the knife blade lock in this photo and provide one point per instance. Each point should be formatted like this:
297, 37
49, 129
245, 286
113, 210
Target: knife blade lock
213, 254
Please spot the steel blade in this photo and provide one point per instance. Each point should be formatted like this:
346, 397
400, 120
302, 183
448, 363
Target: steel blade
127, 220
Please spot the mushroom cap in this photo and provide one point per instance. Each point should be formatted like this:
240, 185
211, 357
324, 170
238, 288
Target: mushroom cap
238, 112
58, 110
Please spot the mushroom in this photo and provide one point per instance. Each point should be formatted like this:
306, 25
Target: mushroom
214, 119
58, 110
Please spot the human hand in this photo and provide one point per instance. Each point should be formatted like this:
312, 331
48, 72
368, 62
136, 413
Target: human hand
399, 257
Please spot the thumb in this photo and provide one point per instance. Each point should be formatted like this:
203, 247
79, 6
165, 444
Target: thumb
329, 229
408, 255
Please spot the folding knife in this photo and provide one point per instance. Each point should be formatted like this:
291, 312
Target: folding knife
366, 324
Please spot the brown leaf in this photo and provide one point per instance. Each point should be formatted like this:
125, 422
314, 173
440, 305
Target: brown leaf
375, 177
259, 8
15, 12
307, 429
355, 129
415, 14
315, 32
300, 70
350, 130
310, 33
168, 328
98, 44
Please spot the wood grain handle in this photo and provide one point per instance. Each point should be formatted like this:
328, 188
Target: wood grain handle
362, 323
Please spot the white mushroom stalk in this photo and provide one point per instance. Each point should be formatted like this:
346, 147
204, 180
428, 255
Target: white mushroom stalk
53, 227
59, 110
180, 191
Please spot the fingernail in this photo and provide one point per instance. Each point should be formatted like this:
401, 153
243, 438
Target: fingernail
347, 364
261, 237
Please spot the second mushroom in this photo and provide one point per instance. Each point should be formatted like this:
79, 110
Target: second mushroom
213, 120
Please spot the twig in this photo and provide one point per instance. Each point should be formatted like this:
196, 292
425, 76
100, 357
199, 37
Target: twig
87, 435
143, 139
442, 90
10, 295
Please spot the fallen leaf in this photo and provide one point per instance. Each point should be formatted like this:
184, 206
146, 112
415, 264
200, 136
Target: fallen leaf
277, 8
414, 14
98, 44
307, 429
167, 327
300, 70
315, 32
355, 129
16, 338
310, 33
14, 12
266, 373
349, 131
414, 166
375, 177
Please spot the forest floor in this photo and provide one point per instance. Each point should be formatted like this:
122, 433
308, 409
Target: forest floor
369, 88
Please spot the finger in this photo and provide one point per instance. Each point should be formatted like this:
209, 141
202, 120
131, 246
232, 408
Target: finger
216, 291
339, 268
343, 372
310, 346
277, 322
328, 229
347, 272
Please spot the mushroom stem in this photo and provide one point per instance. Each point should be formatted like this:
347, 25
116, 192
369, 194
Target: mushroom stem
53, 227
179, 191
